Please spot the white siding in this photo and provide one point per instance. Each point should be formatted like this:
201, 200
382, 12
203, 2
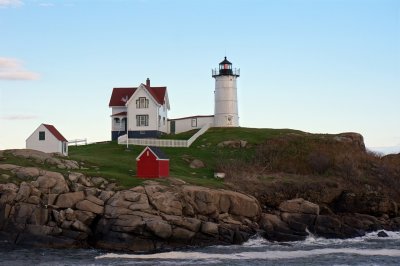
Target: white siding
49, 145
151, 111
163, 113
226, 107
189, 123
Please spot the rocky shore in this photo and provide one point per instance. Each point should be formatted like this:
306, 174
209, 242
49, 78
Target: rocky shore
68, 210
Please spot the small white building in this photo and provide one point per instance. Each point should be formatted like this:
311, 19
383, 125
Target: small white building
47, 138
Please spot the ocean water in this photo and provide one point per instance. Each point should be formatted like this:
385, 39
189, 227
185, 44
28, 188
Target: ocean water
367, 250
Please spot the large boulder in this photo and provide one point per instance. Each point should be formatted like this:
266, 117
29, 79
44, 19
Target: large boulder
277, 230
86, 205
196, 163
160, 228
26, 172
299, 206
52, 182
164, 200
68, 200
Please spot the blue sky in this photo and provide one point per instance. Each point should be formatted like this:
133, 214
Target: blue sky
323, 66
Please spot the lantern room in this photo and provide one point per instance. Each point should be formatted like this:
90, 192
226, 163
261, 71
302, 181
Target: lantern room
225, 69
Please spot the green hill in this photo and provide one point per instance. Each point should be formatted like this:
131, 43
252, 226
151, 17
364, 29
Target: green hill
115, 161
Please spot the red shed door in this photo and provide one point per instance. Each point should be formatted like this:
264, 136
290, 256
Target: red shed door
147, 166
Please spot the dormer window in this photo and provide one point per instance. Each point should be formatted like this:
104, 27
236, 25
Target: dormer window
142, 102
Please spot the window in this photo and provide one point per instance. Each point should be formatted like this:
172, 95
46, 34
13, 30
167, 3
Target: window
163, 121
159, 120
65, 146
116, 120
142, 120
142, 102
42, 135
194, 122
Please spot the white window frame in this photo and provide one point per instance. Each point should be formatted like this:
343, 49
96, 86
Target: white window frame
142, 120
142, 102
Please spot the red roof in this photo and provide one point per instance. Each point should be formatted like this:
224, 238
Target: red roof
158, 93
55, 132
120, 96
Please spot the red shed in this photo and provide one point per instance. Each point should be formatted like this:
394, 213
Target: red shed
152, 163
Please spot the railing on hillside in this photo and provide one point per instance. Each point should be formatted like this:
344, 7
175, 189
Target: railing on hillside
174, 143
76, 141
198, 134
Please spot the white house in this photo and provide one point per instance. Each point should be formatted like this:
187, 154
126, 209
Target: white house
141, 111
47, 138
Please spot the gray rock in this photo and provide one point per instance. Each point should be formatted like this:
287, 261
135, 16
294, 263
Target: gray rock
78, 225
86, 205
68, 200
191, 224
131, 196
70, 214
196, 163
59, 217
164, 200
52, 182
182, 234
97, 181
95, 200
85, 216
106, 195
23, 192
299, 206
382, 234
160, 228
26, 172
33, 200
209, 228
8, 167
9, 187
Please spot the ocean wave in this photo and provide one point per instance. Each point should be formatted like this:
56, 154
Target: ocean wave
320, 241
264, 255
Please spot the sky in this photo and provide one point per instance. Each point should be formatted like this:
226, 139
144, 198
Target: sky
320, 66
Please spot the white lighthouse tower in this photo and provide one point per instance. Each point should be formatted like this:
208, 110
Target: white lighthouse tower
226, 106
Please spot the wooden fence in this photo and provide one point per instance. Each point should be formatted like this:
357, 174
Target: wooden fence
164, 142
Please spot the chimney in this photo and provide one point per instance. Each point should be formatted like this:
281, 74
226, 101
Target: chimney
148, 82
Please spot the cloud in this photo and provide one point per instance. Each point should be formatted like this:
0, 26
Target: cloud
12, 69
18, 117
10, 3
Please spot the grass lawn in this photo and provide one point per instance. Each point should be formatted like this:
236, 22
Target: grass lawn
117, 163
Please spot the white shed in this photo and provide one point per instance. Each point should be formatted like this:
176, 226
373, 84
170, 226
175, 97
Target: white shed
47, 138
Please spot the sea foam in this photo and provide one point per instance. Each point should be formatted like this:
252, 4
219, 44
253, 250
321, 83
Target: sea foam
265, 255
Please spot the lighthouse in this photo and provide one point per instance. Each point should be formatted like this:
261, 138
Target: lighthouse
225, 95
